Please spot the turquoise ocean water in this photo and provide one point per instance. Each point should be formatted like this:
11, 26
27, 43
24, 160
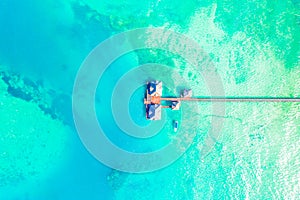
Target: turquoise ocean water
255, 47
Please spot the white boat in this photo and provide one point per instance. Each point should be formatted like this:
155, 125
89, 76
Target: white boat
175, 126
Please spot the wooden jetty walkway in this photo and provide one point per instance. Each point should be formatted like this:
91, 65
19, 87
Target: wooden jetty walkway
230, 99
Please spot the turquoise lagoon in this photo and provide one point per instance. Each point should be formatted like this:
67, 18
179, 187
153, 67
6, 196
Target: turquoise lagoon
255, 47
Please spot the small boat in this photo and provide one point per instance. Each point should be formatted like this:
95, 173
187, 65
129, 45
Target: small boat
175, 125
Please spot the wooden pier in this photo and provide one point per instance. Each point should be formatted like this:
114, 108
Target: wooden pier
153, 99
233, 99
158, 100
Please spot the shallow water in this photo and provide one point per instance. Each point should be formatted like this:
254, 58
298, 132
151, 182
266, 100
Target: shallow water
254, 46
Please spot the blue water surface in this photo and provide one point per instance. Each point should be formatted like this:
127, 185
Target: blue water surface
255, 46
